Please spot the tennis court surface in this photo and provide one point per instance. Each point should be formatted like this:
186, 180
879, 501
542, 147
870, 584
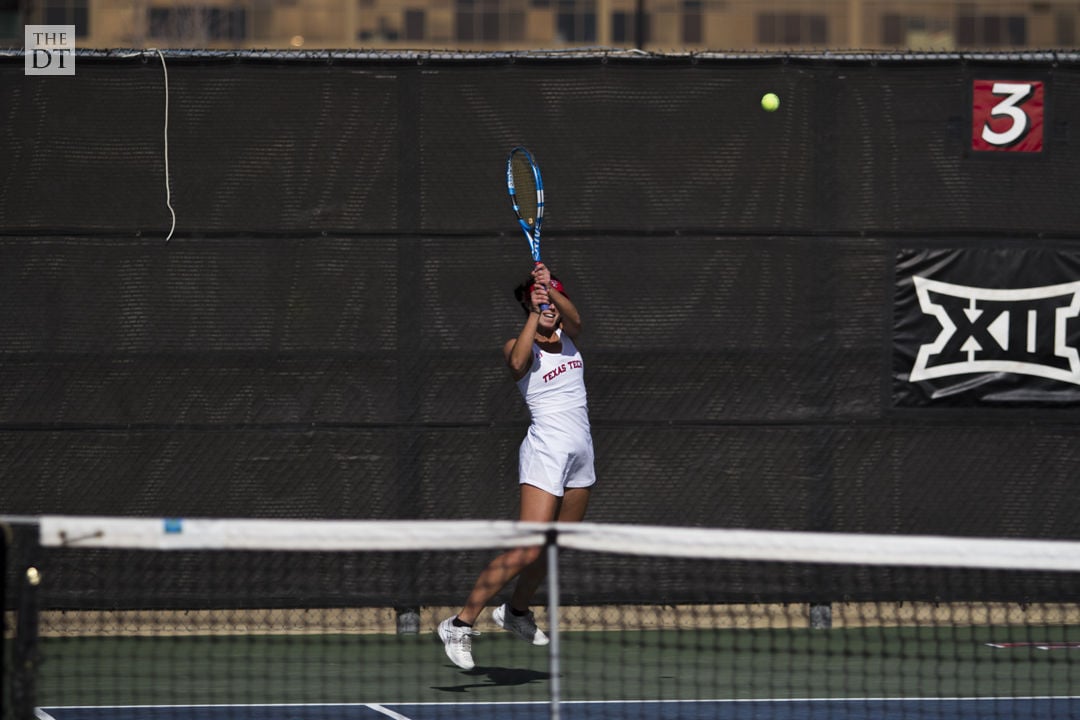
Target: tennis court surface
155, 619
930, 708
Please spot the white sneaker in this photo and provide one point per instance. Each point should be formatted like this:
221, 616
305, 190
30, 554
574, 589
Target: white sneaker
457, 641
524, 626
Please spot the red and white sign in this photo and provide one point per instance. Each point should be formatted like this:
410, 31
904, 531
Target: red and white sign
1007, 116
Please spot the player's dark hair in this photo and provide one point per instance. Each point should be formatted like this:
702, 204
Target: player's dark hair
522, 293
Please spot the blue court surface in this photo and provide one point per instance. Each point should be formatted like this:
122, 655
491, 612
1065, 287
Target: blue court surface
811, 709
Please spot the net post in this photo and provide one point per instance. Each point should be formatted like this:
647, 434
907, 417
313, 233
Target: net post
25, 650
551, 543
820, 616
5, 671
408, 620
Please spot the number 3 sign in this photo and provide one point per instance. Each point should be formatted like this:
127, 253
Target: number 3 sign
1007, 116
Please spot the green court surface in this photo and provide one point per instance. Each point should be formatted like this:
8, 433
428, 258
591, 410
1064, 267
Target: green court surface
629, 665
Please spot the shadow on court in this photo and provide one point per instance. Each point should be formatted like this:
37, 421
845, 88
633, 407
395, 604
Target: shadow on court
496, 677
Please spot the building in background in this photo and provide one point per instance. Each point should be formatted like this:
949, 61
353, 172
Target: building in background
655, 25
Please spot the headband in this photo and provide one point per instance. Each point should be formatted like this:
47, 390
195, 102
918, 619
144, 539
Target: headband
554, 283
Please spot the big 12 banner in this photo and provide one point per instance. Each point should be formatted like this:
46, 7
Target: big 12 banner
976, 326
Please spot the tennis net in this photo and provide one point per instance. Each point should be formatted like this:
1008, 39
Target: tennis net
146, 619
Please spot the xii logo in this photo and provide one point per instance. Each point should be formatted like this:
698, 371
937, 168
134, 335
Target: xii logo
987, 330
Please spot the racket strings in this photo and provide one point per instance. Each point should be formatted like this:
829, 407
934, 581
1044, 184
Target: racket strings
524, 188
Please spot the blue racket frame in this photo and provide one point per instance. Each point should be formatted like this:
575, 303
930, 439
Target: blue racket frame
532, 232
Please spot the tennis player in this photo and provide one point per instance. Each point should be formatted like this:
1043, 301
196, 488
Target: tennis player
555, 462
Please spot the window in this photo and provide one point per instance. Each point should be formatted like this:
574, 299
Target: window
10, 22
1016, 30
465, 32
575, 21
766, 29
386, 31
414, 24
693, 31
624, 28
489, 26
1065, 28
991, 30
196, 22
792, 29
489, 21
892, 29
516, 25
67, 12
917, 32
965, 30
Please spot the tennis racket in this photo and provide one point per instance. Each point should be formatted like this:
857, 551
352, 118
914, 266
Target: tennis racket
526, 189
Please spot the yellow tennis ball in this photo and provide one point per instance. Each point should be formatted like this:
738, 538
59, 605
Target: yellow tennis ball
33, 576
769, 102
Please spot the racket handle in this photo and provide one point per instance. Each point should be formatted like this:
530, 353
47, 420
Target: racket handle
543, 306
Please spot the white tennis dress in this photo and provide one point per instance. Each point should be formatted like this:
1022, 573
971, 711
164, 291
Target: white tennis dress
557, 452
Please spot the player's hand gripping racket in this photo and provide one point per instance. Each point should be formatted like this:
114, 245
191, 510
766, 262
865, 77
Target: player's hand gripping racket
526, 190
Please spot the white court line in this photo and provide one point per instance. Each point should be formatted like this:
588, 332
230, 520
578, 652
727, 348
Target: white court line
41, 713
826, 700
388, 712
293, 705
674, 701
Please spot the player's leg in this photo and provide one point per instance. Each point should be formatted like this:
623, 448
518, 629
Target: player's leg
574, 504
515, 615
571, 509
536, 506
576, 487
456, 633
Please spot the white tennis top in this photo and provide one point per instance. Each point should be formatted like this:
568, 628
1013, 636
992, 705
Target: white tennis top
555, 384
